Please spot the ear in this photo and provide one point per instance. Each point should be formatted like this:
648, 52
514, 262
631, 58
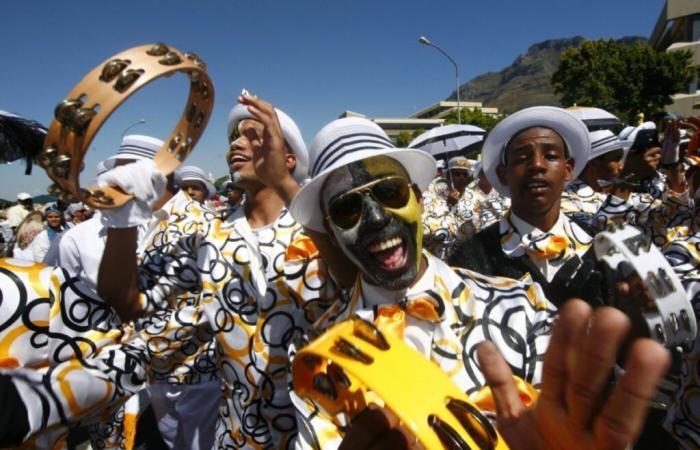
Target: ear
502, 174
291, 160
569, 170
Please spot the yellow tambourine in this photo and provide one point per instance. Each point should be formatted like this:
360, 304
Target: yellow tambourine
90, 103
338, 370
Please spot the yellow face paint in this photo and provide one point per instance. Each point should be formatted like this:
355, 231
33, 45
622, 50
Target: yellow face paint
378, 224
411, 213
382, 166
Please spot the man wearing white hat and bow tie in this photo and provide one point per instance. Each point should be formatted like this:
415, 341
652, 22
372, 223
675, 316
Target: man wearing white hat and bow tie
530, 156
364, 196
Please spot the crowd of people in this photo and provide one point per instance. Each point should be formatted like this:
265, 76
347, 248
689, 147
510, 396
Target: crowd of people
172, 322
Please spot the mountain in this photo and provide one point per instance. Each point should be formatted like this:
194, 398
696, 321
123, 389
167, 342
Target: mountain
526, 82
45, 198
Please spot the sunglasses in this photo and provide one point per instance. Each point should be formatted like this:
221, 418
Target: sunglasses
392, 192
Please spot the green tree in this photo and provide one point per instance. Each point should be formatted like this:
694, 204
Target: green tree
474, 116
623, 79
417, 133
403, 139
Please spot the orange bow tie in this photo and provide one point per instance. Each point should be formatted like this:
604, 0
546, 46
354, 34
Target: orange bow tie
392, 318
548, 246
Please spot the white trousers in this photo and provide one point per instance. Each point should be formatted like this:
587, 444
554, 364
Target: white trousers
186, 413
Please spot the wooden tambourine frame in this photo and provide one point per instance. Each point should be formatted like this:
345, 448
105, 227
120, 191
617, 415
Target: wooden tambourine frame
89, 104
338, 369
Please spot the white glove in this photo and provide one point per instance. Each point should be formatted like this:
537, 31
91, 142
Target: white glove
144, 181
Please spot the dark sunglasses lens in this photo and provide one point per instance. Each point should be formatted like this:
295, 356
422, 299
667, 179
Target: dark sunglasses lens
345, 211
392, 193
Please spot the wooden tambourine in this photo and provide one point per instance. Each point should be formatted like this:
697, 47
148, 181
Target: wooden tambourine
672, 321
353, 361
79, 117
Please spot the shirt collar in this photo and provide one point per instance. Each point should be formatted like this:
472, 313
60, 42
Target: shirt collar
524, 228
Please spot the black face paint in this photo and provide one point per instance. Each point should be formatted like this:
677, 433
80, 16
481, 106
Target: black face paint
385, 244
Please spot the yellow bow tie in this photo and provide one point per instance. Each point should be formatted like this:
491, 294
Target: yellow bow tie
547, 246
392, 318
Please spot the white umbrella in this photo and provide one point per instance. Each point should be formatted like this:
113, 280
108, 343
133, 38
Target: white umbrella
594, 118
448, 139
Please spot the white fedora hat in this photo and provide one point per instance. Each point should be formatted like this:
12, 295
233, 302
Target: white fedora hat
605, 141
572, 131
135, 147
346, 141
194, 173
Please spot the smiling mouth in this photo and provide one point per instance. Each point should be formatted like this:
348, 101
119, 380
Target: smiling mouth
236, 161
390, 253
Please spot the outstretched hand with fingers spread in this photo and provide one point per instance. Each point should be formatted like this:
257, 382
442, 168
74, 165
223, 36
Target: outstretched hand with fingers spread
575, 409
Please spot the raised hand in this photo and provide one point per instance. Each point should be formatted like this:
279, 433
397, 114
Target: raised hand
144, 181
271, 160
692, 125
576, 410
671, 145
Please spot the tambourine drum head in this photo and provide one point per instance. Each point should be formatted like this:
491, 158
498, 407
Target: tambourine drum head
159, 105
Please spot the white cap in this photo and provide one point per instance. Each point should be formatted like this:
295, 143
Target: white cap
23, 196
459, 162
73, 207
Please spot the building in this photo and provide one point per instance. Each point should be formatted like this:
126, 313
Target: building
441, 109
678, 28
423, 120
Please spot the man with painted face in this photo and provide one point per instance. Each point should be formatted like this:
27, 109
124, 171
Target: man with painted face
530, 156
364, 196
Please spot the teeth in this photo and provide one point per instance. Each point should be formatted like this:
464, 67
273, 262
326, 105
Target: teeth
381, 246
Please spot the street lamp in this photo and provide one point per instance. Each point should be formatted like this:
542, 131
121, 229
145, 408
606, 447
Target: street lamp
425, 41
138, 122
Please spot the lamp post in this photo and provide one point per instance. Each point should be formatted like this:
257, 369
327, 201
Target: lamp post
425, 41
138, 122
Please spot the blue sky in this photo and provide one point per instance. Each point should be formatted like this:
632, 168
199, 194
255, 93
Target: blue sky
314, 59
